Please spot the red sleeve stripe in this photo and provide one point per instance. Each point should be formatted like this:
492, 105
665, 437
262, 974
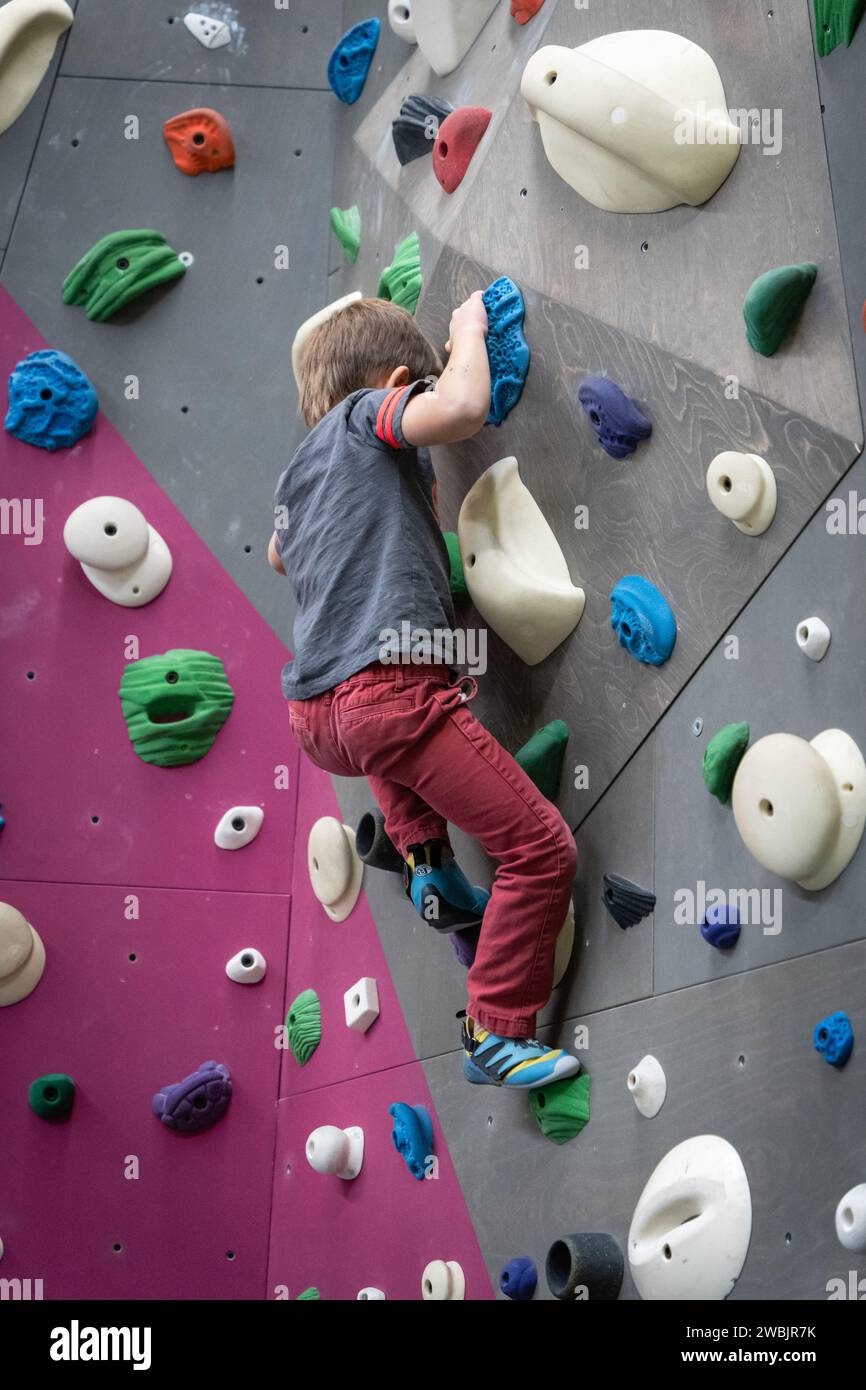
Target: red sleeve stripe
385, 419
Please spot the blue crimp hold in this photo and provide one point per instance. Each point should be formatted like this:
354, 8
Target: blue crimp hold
721, 926
643, 620
834, 1039
51, 402
413, 1136
507, 348
619, 424
519, 1279
350, 61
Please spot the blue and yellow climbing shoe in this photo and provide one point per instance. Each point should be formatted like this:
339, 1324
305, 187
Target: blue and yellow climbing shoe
439, 890
521, 1064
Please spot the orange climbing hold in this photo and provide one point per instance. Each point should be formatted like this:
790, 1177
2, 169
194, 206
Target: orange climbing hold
525, 10
459, 137
200, 141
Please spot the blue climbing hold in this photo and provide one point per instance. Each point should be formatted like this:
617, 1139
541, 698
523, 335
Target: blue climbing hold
51, 402
721, 926
519, 1279
619, 424
350, 61
643, 620
834, 1039
507, 348
413, 1136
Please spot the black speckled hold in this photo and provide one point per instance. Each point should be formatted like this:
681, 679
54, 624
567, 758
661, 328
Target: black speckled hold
585, 1266
626, 902
417, 126
373, 844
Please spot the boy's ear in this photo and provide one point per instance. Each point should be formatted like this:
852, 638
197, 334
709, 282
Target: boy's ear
399, 377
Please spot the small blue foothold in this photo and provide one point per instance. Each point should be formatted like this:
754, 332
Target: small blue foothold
2, 817
519, 1279
350, 61
413, 1136
834, 1039
51, 402
721, 926
643, 620
507, 348
619, 424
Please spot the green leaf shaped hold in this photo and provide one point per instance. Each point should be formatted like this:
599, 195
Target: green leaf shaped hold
722, 757
562, 1108
175, 705
304, 1026
401, 280
541, 758
774, 304
835, 23
310, 1295
346, 225
119, 268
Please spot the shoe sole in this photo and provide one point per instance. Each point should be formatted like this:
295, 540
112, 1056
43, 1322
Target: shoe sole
565, 1067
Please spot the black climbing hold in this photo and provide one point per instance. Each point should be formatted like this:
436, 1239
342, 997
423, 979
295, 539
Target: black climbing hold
417, 126
626, 902
585, 1266
373, 845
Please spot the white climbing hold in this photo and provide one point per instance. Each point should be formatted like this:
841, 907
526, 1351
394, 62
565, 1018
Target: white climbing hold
336, 872
29, 30
370, 1296
213, 33
648, 1086
690, 1232
813, 638
247, 967
361, 1003
22, 956
124, 558
238, 827
743, 488
312, 323
443, 1282
564, 947
515, 572
336, 1152
2, 1248
446, 29
403, 25
851, 1218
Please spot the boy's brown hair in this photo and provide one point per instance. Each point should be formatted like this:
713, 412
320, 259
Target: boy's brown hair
356, 346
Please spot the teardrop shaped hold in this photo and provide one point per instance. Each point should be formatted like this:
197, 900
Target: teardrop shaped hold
722, 757
459, 136
346, 226
525, 10
507, 348
119, 268
457, 581
412, 1136
350, 61
774, 303
210, 32
415, 130
200, 141
561, 1109
626, 902
175, 705
542, 756
401, 281
836, 22
304, 1026
619, 424
51, 402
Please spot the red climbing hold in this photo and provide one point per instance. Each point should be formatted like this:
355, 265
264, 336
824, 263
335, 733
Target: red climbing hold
200, 141
459, 137
525, 10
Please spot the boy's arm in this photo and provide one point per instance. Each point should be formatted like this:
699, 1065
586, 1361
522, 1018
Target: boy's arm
460, 404
274, 555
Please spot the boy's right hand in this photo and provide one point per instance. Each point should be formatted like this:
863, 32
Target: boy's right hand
471, 314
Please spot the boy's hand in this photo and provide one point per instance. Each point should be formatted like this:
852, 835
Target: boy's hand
274, 555
471, 314
459, 405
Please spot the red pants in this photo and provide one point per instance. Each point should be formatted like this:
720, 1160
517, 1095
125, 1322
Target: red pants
429, 761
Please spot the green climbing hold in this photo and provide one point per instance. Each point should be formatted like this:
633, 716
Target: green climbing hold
561, 1109
835, 23
774, 304
346, 225
458, 578
722, 758
175, 705
304, 1026
53, 1096
310, 1295
401, 281
119, 268
541, 758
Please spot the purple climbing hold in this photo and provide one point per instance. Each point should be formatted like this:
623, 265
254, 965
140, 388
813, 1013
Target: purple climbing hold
507, 348
519, 1279
412, 1136
721, 926
350, 61
465, 943
197, 1102
834, 1039
619, 424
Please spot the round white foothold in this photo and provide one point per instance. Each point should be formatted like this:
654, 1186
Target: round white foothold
648, 1086
247, 967
336, 1152
743, 488
370, 1296
238, 827
401, 21
443, 1282
851, 1218
22, 956
336, 872
813, 638
124, 558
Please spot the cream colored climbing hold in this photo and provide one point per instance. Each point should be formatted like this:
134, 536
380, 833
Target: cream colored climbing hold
691, 1228
238, 827
564, 947
29, 30
335, 870
800, 806
361, 1004
213, 33
247, 967
813, 638
22, 956
306, 329
648, 1086
743, 488
851, 1218
446, 29
370, 1296
515, 572
336, 1152
634, 121
403, 25
443, 1282
124, 558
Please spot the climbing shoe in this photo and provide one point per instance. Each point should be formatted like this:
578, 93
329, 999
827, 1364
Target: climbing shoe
439, 890
518, 1063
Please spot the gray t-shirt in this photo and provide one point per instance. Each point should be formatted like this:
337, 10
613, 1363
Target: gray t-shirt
359, 537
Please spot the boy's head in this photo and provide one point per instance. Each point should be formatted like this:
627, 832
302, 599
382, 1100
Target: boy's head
361, 345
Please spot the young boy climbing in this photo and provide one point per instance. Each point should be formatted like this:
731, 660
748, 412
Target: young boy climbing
358, 536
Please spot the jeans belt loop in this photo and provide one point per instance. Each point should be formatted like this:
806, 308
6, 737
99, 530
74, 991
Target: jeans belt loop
468, 687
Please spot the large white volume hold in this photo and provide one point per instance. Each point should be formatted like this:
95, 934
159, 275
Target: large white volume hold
445, 30
648, 1086
515, 572
691, 1228
238, 827
29, 30
743, 488
247, 967
851, 1218
403, 25
213, 33
336, 1152
443, 1282
813, 638
309, 326
124, 558
336, 872
361, 1004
